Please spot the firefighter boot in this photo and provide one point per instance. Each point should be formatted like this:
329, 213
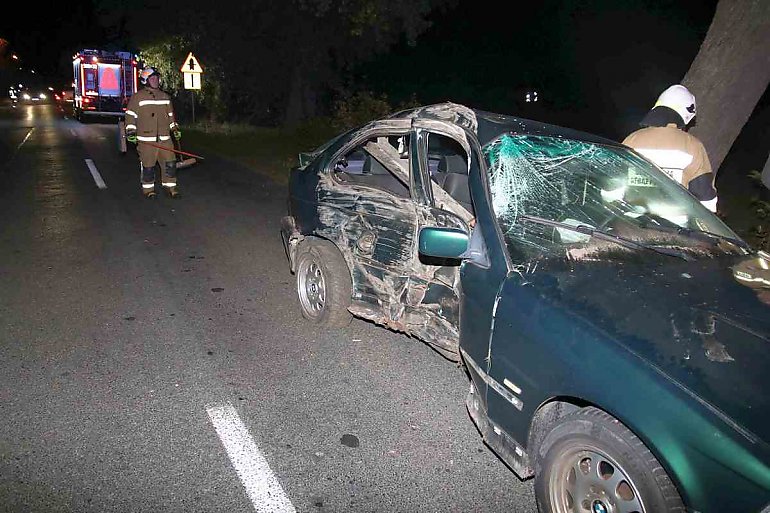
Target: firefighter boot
169, 179
148, 182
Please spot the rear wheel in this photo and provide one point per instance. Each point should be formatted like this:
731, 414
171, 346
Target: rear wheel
324, 287
590, 463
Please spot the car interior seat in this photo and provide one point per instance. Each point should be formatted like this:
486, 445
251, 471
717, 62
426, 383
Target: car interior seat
452, 176
378, 176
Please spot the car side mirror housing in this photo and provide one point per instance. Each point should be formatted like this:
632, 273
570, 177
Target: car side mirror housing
443, 242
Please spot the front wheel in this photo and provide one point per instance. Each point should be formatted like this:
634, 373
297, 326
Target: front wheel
590, 463
324, 286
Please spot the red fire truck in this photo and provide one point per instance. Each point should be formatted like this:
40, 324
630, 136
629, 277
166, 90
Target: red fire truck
104, 82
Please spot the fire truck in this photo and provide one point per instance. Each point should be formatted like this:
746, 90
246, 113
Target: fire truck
104, 82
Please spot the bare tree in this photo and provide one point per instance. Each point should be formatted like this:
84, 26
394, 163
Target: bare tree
730, 73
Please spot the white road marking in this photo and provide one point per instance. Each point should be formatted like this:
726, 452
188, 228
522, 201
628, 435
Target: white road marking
73, 132
95, 173
262, 486
25, 139
19, 146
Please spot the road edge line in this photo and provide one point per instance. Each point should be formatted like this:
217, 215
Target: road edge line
262, 487
95, 174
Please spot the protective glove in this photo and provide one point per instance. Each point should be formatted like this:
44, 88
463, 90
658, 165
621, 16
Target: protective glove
177, 134
131, 136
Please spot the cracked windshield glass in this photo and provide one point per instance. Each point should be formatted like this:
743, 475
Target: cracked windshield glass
557, 197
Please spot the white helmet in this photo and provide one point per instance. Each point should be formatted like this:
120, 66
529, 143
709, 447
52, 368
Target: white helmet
680, 99
146, 73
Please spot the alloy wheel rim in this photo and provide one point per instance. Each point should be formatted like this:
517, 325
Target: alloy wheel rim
312, 289
586, 480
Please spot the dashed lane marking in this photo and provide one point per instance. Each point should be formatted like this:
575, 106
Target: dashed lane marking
263, 488
95, 173
13, 157
73, 132
25, 139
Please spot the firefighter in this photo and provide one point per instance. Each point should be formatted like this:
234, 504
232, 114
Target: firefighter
150, 119
663, 140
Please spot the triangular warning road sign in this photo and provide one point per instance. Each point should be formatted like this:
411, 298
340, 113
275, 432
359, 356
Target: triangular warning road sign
191, 65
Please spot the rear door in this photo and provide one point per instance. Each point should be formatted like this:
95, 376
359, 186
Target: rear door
365, 205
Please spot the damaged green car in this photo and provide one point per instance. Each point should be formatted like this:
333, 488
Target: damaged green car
614, 330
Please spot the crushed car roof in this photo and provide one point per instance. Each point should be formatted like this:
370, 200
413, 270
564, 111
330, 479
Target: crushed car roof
487, 126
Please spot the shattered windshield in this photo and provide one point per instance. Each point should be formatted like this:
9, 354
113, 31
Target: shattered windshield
553, 197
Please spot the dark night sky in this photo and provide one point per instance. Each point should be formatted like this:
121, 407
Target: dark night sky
598, 65
46, 34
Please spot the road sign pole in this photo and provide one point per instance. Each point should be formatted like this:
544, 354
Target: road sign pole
192, 98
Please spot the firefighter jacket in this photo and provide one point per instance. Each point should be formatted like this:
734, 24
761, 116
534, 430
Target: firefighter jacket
681, 156
151, 115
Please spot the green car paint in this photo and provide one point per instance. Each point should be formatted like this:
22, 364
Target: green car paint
669, 335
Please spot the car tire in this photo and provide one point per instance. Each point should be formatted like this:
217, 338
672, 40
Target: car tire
324, 286
589, 461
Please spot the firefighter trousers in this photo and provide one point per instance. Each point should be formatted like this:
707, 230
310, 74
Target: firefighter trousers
149, 156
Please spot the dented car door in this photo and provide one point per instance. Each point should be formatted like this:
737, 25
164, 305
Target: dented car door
367, 203
434, 302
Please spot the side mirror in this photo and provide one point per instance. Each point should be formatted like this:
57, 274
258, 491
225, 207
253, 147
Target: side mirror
443, 242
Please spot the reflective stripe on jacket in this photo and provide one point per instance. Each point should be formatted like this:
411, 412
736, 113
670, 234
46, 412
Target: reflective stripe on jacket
681, 156
151, 115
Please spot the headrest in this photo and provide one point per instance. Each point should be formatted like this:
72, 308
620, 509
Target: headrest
373, 167
453, 164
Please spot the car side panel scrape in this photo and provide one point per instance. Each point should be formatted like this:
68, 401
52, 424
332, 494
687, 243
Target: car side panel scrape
376, 233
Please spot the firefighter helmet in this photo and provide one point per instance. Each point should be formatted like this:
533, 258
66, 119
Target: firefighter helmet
146, 73
680, 99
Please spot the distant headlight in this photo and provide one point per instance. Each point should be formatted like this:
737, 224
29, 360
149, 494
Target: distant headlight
26, 96
42, 96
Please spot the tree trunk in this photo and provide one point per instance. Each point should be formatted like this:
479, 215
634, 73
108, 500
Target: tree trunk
301, 102
730, 73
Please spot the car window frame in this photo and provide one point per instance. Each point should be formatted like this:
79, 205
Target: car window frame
359, 143
422, 135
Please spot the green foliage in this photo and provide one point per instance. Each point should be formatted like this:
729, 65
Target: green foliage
365, 106
759, 234
167, 56
360, 108
266, 62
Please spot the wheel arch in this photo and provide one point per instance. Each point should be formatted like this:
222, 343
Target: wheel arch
316, 237
550, 411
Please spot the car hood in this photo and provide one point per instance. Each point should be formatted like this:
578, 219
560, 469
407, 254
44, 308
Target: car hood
698, 322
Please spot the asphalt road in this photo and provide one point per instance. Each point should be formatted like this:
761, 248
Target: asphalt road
152, 355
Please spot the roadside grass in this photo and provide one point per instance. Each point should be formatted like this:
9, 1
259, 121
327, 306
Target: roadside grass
268, 151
